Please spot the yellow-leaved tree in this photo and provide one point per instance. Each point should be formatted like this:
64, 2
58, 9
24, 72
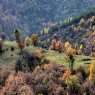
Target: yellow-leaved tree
34, 39
92, 71
28, 41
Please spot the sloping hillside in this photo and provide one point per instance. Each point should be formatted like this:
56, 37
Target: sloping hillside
9, 57
46, 79
76, 30
32, 15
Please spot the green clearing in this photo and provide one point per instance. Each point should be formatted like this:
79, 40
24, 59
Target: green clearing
55, 57
60, 58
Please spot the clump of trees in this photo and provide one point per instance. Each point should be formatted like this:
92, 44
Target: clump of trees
48, 79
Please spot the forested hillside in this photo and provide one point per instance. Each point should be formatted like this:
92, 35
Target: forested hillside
32, 15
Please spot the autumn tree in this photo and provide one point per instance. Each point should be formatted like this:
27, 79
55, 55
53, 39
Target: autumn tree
34, 39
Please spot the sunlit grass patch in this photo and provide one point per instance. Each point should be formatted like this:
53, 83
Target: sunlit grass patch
56, 57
